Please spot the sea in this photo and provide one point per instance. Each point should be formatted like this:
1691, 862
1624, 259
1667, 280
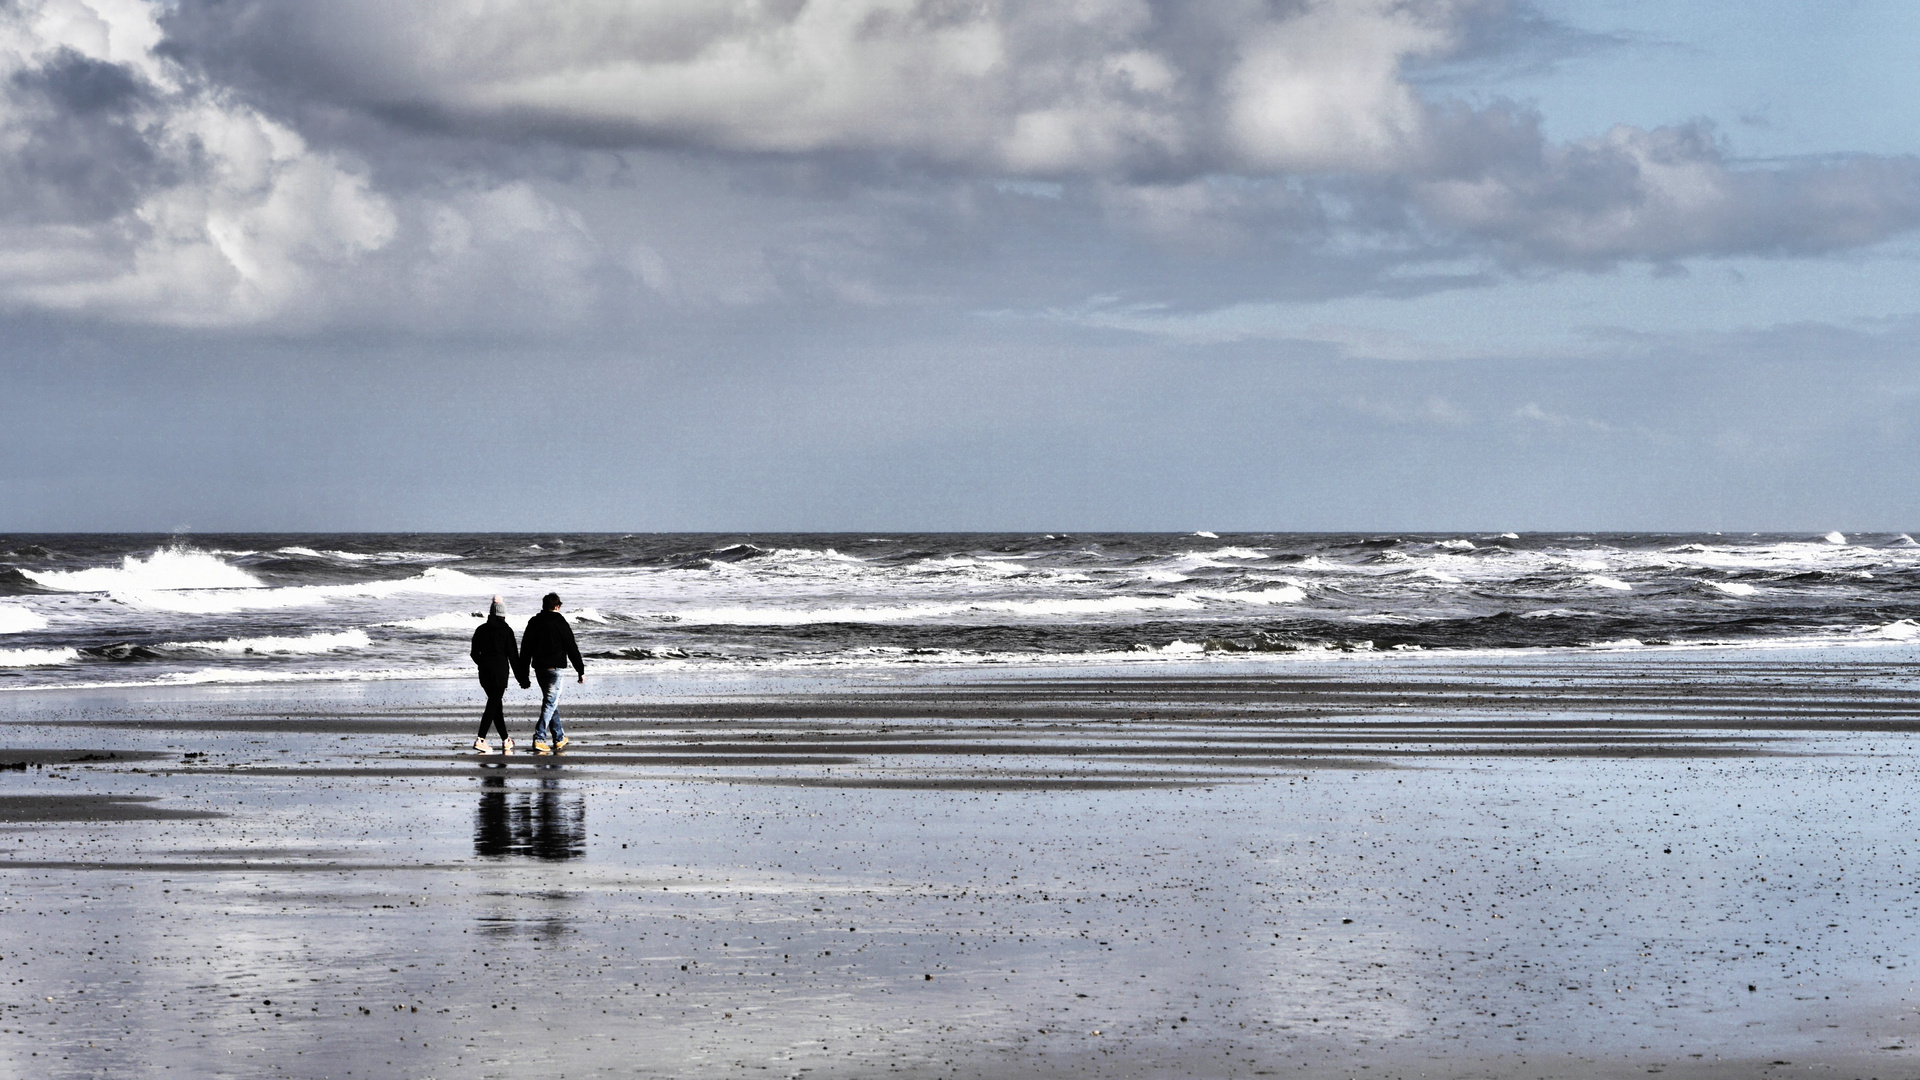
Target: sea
117, 610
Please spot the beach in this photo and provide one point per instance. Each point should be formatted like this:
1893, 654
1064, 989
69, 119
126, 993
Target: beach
1690, 861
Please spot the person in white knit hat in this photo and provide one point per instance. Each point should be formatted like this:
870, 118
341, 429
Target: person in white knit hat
498, 656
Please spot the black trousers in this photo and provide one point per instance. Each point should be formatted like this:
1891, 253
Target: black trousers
496, 714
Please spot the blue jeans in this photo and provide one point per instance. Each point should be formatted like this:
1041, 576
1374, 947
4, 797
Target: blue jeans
548, 729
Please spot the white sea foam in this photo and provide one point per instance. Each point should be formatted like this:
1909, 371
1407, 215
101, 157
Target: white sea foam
1835, 538
1033, 608
1238, 553
1898, 630
371, 557
1455, 545
587, 614
1205, 535
1600, 581
435, 580
1509, 536
311, 644
166, 569
991, 566
461, 621
15, 619
808, 555
1731, 588
1290, 593
13, 658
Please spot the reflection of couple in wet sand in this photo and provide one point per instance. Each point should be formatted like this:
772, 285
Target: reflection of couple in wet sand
544, 824
545, 649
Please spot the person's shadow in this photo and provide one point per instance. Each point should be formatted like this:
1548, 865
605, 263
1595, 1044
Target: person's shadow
542, 824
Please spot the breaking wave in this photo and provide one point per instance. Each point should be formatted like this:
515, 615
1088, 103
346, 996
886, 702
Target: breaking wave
24, 658
310, 645
166, 568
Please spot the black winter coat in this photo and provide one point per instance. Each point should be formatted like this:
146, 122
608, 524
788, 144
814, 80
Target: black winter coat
495, 650
548, 643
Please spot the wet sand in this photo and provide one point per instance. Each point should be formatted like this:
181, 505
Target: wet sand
1688, 862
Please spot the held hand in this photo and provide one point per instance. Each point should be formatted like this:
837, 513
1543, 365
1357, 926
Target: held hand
582, 678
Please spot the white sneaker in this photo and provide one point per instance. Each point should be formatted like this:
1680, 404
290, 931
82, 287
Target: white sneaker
563, 743
506, 746
481, 745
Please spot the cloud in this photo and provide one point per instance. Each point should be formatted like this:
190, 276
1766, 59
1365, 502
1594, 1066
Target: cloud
132, 191
1671, 193
1533, 413
1099, 87
1144, 101
454, 162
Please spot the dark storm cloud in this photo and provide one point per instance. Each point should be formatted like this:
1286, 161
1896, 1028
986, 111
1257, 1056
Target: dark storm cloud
80, 151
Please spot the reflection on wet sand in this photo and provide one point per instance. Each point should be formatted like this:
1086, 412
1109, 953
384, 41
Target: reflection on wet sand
543, 824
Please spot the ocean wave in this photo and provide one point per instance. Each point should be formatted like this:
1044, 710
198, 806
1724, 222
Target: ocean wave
1455, 545
1285, 593
1898, 630
1732, 588
311, 644
120, 652
1030, 608
15, 619
1601, 581
167, 568
15, 583
435, 580
665, 653
22, 658
332, 555
461, 621
1835, 538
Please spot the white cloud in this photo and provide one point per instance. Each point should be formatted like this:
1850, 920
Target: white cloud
1095, 86
153, 166
1322, 91
200, 209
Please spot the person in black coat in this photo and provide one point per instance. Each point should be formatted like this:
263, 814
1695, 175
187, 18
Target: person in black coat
547, 648
498, 657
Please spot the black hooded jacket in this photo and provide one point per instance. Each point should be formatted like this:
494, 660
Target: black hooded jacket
495, 650
548, 643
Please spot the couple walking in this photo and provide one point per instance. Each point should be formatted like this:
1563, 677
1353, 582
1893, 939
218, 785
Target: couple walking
546, 648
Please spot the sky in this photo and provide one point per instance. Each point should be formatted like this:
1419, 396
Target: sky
905, 265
